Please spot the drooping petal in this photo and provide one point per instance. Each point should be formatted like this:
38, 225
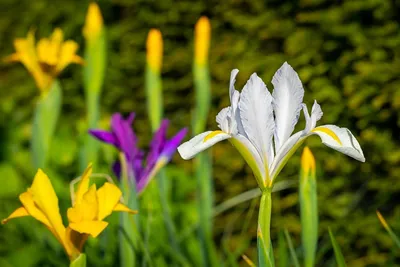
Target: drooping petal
83, 185
201, 142
20, 212
287, 98
121, 207
93, 228
172, 144
104, 136
257, 116
340, 139
108, 197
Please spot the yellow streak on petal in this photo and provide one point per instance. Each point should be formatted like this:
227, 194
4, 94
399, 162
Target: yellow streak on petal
307, 161
328, 132
93, 22
83, 185
121, 207
108, 197
154, 47
20, 212
382, 220
93, 228
202, 40
211, 135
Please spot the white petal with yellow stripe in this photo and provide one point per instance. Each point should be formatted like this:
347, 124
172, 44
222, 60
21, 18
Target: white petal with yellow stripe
340, 139
201, 142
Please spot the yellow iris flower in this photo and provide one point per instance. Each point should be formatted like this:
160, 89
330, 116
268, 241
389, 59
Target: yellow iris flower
47, 59
85, 217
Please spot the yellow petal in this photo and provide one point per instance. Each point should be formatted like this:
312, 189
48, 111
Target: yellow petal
93, 23
20, 212
93, 228
86, 209
44, 52
123, 208
30, 206
83, 185
154, 48
68, 56
108, 196
47, 202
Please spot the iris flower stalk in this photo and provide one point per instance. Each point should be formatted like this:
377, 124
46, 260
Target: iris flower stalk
95, 53
90, 206
260, 125
45, 61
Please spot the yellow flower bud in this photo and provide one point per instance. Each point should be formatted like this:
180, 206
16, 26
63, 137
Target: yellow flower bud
154, 47
308, 162
94, 22
202, 40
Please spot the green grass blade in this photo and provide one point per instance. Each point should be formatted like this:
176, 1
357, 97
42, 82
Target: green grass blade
338, 253
388, 229
282, 250
293, 255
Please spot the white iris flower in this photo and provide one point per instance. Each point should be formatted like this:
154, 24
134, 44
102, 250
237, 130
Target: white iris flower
260, 125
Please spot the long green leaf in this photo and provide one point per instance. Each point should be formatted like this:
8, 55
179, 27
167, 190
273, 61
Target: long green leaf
293, 255
338, 253
385, 225
44, 124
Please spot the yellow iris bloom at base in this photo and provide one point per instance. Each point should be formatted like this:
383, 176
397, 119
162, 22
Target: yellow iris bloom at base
47, 59
85, 217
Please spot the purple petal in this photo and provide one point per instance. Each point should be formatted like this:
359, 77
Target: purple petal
104, 136
124, 133
116, 167
172, 144
130, 118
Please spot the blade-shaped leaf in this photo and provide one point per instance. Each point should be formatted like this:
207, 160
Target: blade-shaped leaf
291, 249
338, 253
385, 225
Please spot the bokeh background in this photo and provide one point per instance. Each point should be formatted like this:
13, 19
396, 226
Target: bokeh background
347, 54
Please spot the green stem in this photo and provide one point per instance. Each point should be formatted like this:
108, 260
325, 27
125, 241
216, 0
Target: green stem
161, 179
80, 261
265, 256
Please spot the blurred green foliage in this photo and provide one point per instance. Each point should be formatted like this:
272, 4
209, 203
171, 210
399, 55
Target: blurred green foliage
347, 54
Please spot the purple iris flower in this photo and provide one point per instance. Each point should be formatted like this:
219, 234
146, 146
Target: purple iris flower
123, 137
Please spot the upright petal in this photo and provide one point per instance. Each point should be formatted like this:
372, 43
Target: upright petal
232, 92
124, 134
108, 197
46, 201
83, 185
340, 139
287, 98
201, 142
256, 115
68, 55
